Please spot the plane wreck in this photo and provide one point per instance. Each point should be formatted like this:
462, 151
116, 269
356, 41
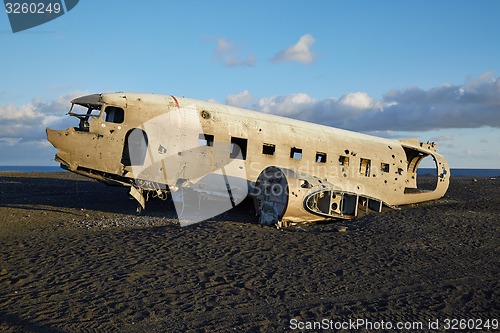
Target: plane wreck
208, 157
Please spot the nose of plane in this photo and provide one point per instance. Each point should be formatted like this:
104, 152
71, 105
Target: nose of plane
53, 136
58, 138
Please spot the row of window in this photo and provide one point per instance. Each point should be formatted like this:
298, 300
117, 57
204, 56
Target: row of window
239, 147
239, 150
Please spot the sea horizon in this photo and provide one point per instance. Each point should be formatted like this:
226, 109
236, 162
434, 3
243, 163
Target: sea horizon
466, 172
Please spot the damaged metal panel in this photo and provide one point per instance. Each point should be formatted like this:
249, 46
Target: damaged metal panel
88, 101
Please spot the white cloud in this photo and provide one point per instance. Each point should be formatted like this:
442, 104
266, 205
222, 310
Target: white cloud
28, 121
227, 52
240, 99
472, 105
22, 129
299, 52
291, 105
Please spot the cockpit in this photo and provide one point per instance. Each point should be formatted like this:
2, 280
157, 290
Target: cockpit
88, 107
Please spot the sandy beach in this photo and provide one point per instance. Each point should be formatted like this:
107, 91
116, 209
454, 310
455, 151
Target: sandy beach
75, 256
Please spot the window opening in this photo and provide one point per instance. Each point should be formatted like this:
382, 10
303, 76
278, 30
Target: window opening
114, 115
268, 149
364, 167
296, 153
85, 114
344, 161
384, 167
238, 148
320, 157
206, 140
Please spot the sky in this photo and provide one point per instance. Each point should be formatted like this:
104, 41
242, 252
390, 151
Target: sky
396, 69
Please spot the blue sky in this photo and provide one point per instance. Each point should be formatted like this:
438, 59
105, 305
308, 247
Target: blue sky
397, 69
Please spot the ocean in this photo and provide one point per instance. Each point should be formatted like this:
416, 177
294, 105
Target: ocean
463, 172
30, 168
421, 171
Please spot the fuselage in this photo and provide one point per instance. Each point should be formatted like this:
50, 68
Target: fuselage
357, 163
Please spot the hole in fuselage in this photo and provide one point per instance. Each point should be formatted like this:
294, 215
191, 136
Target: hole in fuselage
422, 173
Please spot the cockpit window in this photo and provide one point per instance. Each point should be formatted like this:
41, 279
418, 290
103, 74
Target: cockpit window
114, 114
85, 113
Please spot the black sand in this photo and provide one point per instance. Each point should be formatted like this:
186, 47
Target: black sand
74, 256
